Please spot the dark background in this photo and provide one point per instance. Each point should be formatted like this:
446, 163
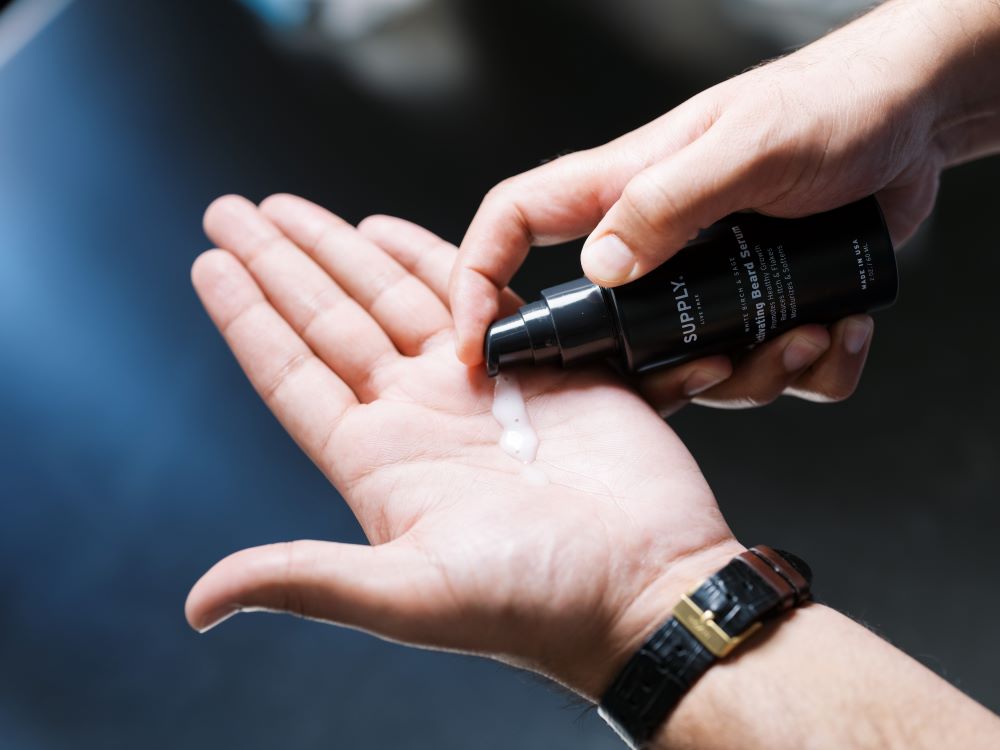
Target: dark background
133, 454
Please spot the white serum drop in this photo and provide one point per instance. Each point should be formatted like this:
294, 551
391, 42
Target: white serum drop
519, 438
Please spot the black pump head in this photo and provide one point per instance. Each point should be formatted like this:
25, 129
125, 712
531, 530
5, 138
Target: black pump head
528, 336
507, 341
570, 322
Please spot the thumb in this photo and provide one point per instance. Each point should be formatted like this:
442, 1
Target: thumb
663, 207
370, 588
553, 203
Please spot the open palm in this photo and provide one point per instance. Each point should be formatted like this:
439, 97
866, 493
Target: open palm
346, 335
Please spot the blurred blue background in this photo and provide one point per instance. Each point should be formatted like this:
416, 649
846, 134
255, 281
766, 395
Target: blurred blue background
134, 454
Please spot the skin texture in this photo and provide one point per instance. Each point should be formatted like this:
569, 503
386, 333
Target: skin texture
345, 334
352, 352
880, 107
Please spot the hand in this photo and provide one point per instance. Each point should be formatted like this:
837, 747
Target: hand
346, 335
865, 110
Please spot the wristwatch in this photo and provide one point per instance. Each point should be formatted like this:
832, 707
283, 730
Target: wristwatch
706, 625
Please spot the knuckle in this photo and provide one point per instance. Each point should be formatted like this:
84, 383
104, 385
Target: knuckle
646, 200
788, 154
219, 207
838, 391
502, 192
274, 201
824, 393
291, 368
763, 394
373, 223
757, 400
204, 262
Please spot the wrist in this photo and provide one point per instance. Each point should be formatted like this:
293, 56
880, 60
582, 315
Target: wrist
809, 677
642, 615
778, 674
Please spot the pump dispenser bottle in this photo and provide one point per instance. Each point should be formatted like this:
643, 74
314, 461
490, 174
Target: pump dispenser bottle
741, 282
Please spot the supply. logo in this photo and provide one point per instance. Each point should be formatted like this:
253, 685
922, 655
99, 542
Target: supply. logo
689, 326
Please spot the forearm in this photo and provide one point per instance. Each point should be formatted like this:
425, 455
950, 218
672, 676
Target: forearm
970, 126
819, 680
931, 70
953, 49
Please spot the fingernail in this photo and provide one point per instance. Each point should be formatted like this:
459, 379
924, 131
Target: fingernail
608, 259
700, 381
856, 334
800, 353
218, 618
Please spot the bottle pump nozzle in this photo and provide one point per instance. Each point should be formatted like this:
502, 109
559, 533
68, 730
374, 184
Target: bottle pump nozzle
571, 322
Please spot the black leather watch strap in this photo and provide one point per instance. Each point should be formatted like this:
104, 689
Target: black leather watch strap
707, 624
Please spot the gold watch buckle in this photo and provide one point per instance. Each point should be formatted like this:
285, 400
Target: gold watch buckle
702, 625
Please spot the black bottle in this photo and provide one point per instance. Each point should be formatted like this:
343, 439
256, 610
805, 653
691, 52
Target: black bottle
742, 281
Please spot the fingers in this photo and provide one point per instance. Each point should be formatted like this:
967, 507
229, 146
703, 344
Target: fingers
333, 325
301, 391
763, 374
670, 389
835, 375
807, 362
400, 302
378, 589
664, 206
558, 201
424, 254
421, 252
